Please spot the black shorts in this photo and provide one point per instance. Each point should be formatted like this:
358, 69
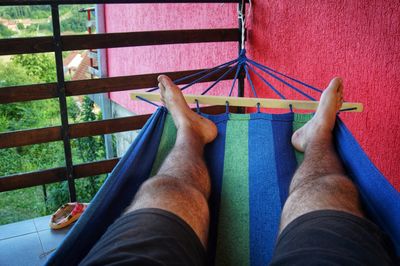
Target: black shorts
332, 238
148, 237
158, 237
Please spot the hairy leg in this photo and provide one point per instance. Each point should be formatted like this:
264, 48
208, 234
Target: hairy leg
320, 183
182, 185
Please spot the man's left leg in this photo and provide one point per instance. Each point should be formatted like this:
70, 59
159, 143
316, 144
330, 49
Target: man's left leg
168, 219
182, 185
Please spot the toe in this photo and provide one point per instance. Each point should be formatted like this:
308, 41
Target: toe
161, 86
166, 81
161, 77
335, 84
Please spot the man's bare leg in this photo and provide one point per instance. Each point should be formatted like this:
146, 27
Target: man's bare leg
182, 185
320, 183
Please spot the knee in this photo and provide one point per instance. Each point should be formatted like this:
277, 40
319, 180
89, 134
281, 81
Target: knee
166, 184
174, 195
174, 190
339, 185
331, 191
330, 184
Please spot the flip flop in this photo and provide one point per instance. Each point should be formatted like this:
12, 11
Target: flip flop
67, 214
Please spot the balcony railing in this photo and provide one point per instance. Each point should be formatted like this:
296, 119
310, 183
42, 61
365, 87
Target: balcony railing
61, 89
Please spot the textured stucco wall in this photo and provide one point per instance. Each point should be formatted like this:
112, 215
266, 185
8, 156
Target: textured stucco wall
314, 41
141, 60
357, 40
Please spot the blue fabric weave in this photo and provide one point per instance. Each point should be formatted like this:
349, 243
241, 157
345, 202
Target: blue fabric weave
271, 165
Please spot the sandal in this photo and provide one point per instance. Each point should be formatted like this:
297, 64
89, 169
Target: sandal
67, 214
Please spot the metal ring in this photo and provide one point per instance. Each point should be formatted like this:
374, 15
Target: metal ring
197, 106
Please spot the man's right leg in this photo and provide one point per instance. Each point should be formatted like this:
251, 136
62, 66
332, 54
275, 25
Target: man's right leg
320, 183
322, 221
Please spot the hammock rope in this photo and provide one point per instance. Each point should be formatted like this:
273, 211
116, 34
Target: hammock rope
286, 76
267, 83
242, 63
283, 81
217, 68
148, 101
219, 79
234, 80
250, 81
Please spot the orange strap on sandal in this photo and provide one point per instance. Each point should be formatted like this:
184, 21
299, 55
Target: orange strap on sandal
67, 214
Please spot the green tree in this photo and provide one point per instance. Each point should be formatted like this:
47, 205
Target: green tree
89, 149
41, 67
5, 32
15, 116
13, 74
76, 23
20, 26
17, 205
25, 203
15, 12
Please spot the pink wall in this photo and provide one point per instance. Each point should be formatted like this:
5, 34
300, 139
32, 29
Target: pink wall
357, 40
165, 58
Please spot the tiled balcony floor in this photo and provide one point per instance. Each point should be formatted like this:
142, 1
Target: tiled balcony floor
28, 242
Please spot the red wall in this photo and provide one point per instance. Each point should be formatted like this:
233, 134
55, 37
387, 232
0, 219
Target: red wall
165, 58
357, 40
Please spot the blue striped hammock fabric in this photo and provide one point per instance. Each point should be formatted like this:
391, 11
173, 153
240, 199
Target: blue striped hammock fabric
251, 164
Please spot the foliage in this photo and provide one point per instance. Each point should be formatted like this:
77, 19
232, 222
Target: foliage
20, 26
12, 74
5, 32
16, 12
89, 149
84, 150
41, 27
21, 204
35, 12
38, 66
40, 17
17, 116
25, 203
75, 23
29, 203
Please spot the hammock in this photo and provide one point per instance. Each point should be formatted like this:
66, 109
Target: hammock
247, 197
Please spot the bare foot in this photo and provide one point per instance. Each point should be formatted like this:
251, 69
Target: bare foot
183, 116
323, 122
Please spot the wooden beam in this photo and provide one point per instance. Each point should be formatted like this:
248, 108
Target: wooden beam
107, 126
26, 45
91, 86
112, 40
28, 93
248, 102
79, 130
29, 137
127, 39
53, 175
95, 168
66, 2
32, 179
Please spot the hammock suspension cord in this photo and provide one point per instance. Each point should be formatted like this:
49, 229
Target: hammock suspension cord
249, 67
